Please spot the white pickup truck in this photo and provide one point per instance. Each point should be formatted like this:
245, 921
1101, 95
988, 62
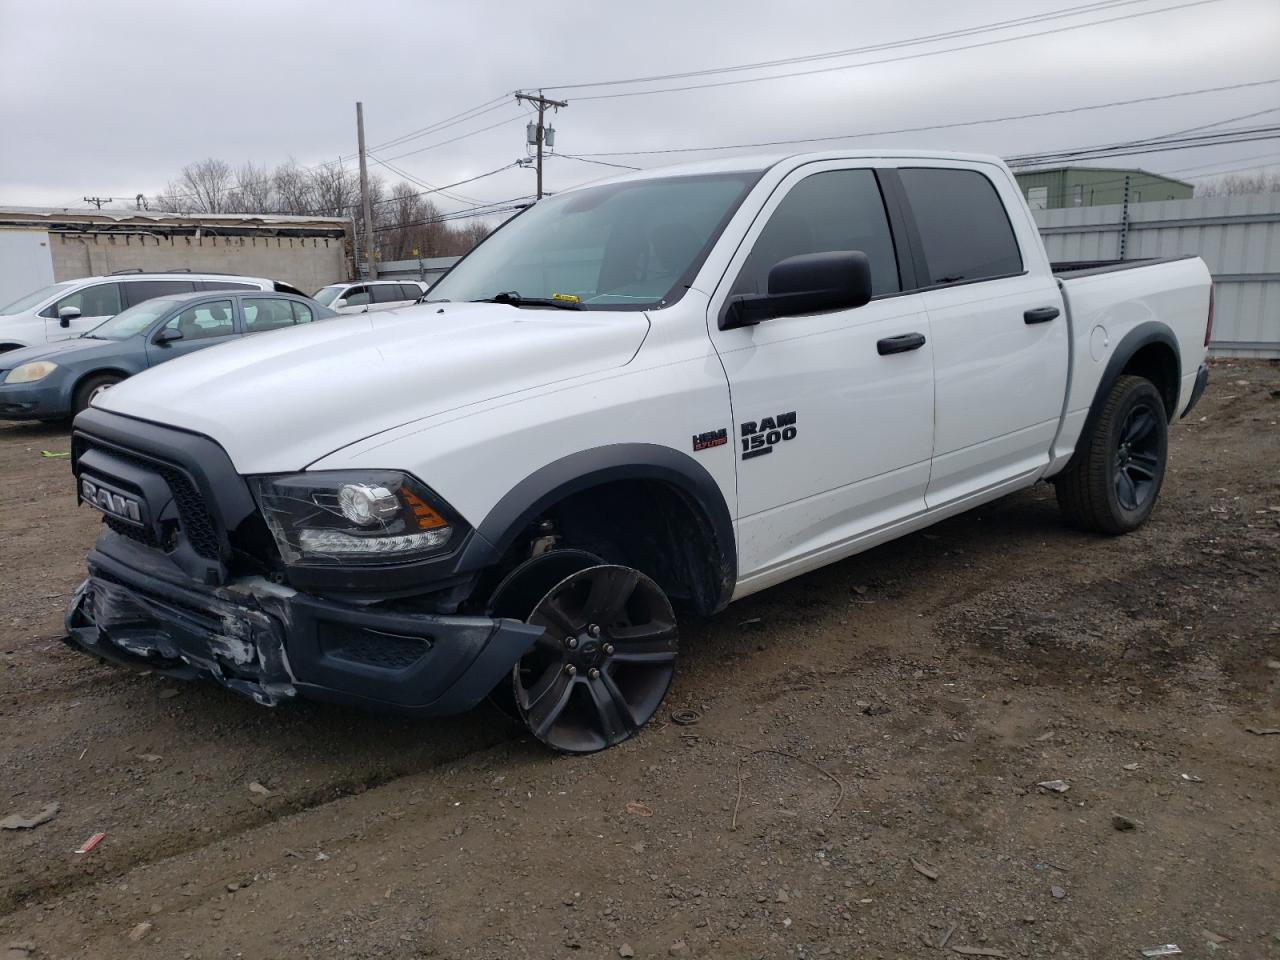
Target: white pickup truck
679, 387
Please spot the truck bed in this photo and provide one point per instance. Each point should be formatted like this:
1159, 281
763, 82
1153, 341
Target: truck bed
1070, 269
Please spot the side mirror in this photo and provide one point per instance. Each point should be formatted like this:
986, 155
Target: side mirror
67, 314
808, 283
339, 303
167, 336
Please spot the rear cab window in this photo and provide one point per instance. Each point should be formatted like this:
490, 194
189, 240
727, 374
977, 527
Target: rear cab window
963, 226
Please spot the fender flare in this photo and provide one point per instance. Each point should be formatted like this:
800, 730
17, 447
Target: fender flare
599, 465
1144, 334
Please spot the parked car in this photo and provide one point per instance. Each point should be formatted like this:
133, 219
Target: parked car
367, 295
65, 310
61, 379
677, 386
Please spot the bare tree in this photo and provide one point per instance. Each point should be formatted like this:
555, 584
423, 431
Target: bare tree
254, 191
292, 188
202, 187
1238, 183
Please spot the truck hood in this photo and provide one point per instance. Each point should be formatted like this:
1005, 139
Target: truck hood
282, 400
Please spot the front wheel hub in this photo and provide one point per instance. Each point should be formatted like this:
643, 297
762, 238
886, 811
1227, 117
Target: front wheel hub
595, 693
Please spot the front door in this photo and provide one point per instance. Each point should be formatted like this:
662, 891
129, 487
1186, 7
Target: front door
205, 324
833, 423
86, 308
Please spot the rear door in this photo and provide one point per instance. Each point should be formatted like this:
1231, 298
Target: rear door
999, 332
96, 302
833, 434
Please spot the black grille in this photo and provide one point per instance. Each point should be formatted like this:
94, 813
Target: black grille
141, 534
193, 516
386, 650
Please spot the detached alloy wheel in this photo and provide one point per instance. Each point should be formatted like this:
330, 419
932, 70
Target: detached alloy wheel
604, 664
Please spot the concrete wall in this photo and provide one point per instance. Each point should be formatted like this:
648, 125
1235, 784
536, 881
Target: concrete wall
1237, 237
306, 262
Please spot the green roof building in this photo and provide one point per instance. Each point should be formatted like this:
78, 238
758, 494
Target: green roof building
1053, 187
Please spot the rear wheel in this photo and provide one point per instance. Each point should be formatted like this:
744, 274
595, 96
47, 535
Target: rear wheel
1112, 484
91, 388
605, 663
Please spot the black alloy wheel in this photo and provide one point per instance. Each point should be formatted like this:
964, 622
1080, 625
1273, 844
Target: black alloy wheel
1137, 459
604, 664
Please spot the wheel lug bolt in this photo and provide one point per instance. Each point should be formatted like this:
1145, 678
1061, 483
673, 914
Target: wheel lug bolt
594, 630
594, 674
572, 643
570, 669
608, 649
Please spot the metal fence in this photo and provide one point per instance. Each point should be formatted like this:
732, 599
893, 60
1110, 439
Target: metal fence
427, 269
1238, 237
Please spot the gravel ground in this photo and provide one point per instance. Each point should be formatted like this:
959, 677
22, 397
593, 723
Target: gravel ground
862, 782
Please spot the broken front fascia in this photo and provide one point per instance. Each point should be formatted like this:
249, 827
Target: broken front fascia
236, 638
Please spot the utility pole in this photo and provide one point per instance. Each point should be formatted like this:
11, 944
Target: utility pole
364, 196
540, 133
98, 201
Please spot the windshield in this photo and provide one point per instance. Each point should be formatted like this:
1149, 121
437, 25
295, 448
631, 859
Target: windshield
31, 299
132, 321
617, 246
327, 295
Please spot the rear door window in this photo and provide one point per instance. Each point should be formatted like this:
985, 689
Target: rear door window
302, 313
409, 291
387, 293
266, 313
964, 228
137, 291
98, 300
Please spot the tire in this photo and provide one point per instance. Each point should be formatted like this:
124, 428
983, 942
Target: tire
1114, 479
605, 663
90, 387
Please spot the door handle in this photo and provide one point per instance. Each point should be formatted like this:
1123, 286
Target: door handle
1040, 315
900, 344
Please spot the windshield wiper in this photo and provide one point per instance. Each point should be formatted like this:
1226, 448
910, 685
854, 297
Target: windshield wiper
513, 297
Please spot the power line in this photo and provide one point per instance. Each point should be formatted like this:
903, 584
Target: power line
1155, 145
432, 146
870, 48
460, 117
900, 59
407, 176
936, 126
484, 210
603, 163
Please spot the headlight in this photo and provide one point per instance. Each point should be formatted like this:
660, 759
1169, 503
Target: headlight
31, 372
377, 516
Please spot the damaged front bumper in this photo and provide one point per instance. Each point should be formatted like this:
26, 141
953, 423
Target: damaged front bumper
272, 643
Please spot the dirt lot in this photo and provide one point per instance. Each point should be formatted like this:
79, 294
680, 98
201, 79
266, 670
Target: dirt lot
914, 696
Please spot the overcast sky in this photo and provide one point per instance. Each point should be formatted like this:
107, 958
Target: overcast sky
113, 97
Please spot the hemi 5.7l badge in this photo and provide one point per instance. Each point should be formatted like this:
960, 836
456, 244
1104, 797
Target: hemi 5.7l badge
712, 438
760, 437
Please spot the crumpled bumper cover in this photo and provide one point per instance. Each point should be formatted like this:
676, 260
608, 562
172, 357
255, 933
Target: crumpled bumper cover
272, 644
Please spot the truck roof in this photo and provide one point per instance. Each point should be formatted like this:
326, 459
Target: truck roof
763, 161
